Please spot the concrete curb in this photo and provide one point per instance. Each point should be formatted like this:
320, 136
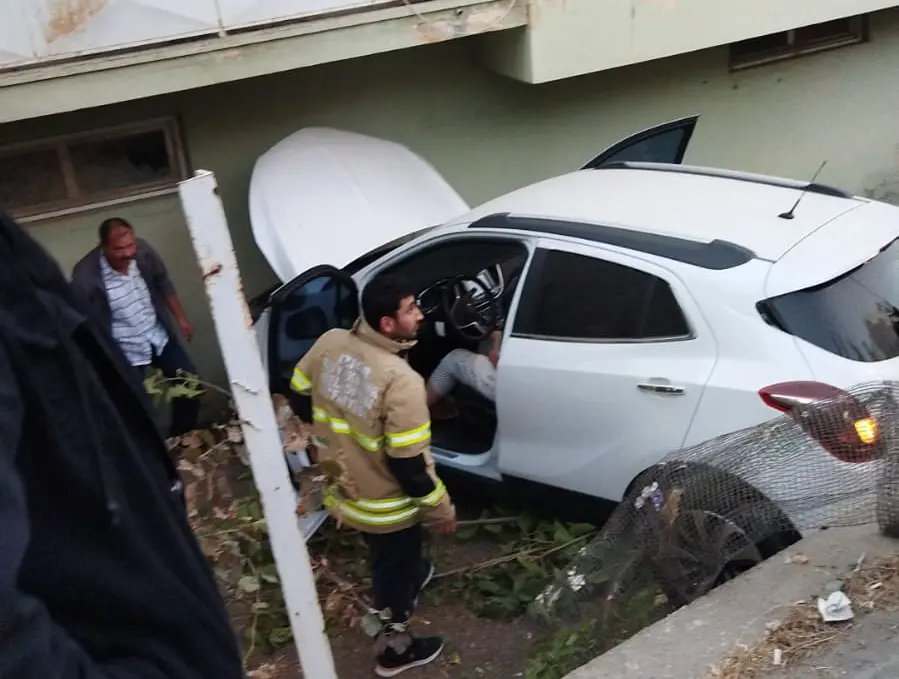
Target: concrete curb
688, 642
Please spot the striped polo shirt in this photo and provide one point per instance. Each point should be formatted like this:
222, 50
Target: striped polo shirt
134, 323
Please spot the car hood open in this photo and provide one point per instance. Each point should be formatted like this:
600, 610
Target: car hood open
326, 196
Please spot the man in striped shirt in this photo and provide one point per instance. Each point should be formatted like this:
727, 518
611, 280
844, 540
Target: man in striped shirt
127, 284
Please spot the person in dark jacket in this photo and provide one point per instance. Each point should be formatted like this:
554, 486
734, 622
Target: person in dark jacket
128, 286
100, 574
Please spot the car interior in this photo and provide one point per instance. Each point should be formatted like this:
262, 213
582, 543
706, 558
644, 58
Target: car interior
465, 290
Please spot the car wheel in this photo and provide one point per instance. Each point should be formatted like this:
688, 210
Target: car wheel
710, 527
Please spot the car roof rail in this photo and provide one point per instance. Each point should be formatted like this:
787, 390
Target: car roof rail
809, 187
716, 254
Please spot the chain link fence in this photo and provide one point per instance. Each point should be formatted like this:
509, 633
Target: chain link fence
705, 514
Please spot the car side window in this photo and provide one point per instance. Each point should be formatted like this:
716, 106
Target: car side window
302, 311
466, 256
572, 296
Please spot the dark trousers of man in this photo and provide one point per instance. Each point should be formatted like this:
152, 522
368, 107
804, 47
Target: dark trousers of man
184, 410
397, 571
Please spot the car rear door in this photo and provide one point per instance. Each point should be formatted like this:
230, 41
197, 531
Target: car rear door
665, 143
602, 371
296, 315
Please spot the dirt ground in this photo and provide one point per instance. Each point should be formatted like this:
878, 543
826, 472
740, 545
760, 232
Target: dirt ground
475, 646
227, 518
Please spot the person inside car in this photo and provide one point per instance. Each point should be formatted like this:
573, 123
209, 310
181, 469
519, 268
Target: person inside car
473, 369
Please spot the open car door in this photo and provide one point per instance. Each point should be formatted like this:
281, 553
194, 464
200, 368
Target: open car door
666, 143
298, 314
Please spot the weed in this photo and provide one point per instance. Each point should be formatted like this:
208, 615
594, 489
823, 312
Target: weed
562, 652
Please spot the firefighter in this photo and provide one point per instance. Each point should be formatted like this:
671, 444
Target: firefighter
372, 430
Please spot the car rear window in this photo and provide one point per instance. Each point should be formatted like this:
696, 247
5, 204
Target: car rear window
854, 315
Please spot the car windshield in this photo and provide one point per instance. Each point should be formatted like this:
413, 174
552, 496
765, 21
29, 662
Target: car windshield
854, 316
364, 260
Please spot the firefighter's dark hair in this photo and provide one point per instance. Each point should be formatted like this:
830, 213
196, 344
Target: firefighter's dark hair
109, 224
382, 297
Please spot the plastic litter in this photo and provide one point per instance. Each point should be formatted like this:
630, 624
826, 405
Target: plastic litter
835, 608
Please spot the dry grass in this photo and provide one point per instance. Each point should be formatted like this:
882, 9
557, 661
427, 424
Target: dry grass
802, 632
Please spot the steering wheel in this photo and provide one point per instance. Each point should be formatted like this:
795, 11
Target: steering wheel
469, 307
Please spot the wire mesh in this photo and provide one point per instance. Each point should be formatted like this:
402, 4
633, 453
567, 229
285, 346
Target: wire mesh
706, 513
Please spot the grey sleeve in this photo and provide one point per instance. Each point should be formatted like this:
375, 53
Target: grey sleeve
161, 280
32, 645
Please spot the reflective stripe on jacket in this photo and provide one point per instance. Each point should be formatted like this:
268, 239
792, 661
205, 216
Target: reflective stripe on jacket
369, 405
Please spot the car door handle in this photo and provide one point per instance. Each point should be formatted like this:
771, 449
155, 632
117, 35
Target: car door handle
661, 388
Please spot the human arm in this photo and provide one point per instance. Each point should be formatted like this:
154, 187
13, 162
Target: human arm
163, 285
407, 430
299, 380
87, 284
184, 325
32, 645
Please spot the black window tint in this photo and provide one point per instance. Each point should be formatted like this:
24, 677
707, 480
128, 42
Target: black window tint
464, 257
364, 260
660, 148
301, 314
573, 296
854, 316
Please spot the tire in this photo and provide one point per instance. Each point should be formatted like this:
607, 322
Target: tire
712, 527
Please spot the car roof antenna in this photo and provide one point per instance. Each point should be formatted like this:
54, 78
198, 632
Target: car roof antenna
789, 214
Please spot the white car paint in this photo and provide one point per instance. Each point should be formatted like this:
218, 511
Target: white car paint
598, 412
572, 414
385, 191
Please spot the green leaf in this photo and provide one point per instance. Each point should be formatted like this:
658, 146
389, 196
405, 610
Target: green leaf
578, 529
270, 578
526, 523
249, 584
151, 386
494, 528
560, 533
181, 391
488, 586
280, 636
530, 565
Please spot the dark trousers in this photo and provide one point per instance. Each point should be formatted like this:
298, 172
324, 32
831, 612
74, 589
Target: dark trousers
184, 410
397, 571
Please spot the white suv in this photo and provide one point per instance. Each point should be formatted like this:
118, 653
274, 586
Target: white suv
647, 306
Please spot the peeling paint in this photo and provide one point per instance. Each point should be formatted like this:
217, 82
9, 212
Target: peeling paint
67, 16
466, 23
250, 390
437, 31
213, 270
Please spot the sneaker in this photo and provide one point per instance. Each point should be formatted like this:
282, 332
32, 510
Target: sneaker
427, 569
421, 651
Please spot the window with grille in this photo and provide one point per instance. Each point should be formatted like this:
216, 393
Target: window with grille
79, 170
798, 42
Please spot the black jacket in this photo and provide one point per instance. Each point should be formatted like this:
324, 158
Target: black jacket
87, 279
100, 575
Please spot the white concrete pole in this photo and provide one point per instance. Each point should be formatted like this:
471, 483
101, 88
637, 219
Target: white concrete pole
249, 385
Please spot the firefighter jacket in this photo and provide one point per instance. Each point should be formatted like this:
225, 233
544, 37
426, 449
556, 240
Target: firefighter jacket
370, 417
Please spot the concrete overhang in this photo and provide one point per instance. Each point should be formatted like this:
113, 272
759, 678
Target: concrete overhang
567, 38
111, 77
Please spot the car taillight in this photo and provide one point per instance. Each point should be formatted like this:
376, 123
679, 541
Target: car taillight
833, 417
